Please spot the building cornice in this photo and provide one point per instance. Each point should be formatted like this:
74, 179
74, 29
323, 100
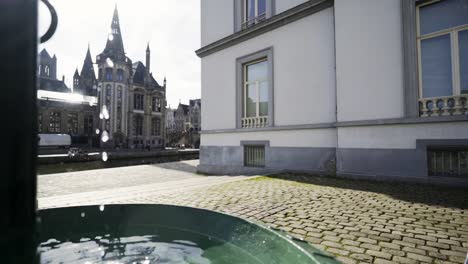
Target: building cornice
284, 18
373, 122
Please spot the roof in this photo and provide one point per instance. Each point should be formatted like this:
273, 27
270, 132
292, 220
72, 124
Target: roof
139, 74
46, 54
53, 85
195, 101
185, 108
114, 45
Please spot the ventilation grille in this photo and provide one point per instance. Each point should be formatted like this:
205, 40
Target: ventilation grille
448, 163
254, 156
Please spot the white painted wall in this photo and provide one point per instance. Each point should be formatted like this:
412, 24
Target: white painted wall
319, 138
369, 59
398, 136
217, 20
304, 77
283, 5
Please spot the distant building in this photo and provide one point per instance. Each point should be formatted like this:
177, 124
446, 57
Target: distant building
124, 100
187, 123
59, 110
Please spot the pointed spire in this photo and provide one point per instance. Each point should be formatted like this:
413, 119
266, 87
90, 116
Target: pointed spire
76, 73
148, 59
114, 46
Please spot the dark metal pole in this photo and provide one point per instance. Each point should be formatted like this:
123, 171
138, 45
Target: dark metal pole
18, 52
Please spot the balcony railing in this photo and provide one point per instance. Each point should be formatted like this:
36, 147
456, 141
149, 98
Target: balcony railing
254, 122
253, 21
444, 106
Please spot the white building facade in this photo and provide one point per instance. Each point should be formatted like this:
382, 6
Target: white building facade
356, 88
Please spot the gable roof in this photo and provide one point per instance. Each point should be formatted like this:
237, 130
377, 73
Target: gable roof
139, 75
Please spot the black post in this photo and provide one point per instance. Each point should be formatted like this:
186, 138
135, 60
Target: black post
18, 52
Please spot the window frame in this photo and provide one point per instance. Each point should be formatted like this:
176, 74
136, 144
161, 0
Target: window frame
55, 122
137, 103
138, 123
246, 83
72, 123
156, 126
265, 54
240, 11
454, 50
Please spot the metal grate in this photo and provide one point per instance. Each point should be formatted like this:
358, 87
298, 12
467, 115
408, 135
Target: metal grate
448, 162
254, 156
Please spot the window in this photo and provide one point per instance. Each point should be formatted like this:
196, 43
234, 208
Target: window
108, 96
40, 68
156, 104
138, 125
138, 102
254, 156
39, 125
448, 162
72, 123
88, 125
156, 126
76, 82
108, 74
119, 108
55, 120
254, 12
120, 75
47, 70
255, 90
255, 99
443, 49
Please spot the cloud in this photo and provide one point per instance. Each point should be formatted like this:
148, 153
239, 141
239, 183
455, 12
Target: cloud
171, 26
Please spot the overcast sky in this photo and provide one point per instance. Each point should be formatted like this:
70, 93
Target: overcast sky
171, 26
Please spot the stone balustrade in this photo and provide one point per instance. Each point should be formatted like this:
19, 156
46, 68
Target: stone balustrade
443, 106
254, 122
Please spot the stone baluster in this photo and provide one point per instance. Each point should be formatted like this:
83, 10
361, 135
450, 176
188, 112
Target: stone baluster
445, 110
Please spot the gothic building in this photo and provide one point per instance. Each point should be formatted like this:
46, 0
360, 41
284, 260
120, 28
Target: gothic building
59, 110
124, 101
131, 100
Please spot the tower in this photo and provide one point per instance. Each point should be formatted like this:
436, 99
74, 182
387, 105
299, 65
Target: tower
85, 82
114, 71
47, 65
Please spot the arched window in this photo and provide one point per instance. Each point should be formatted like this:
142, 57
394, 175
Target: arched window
47, 70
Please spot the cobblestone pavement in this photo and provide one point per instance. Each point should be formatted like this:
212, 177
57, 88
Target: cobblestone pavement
356, 221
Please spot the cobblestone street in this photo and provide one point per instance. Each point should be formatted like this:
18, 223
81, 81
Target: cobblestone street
356, 221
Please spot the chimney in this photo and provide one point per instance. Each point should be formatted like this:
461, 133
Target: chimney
63, 78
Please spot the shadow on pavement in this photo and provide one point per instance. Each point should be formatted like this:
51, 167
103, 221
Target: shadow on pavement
414, 193
187, 166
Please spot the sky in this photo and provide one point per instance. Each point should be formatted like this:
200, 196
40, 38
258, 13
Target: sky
172, 27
